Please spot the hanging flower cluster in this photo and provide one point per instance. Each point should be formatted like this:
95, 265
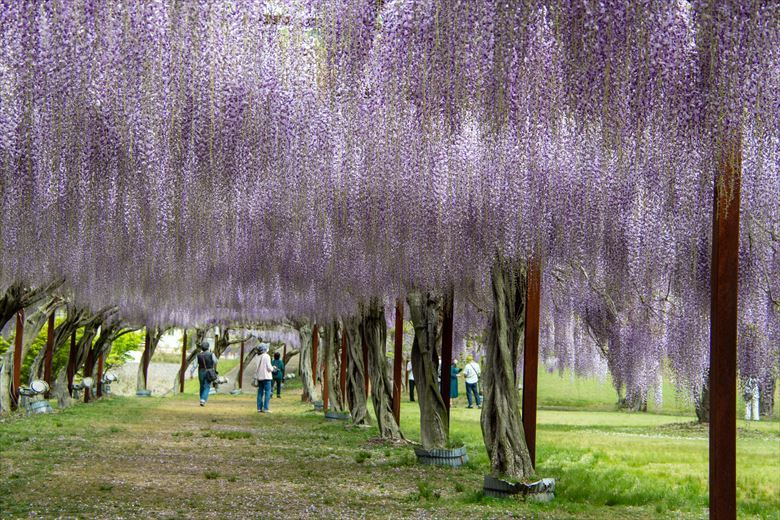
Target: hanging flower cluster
192, 161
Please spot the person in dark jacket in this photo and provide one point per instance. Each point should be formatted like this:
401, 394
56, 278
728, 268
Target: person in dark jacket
206, 360
454, 371
278, 371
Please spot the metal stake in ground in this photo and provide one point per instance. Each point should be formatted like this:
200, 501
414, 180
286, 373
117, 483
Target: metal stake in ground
398, 352
17, 366
531, 357
723, 332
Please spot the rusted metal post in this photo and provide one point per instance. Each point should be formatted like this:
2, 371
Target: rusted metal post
365, 366
48, 354
89, 366
17, 366
241, 367
325, 385
344, 362
723, 333
531, 356
183, 362
446, 350
398, 354
71, 369
315, 345
99, 380
145, 358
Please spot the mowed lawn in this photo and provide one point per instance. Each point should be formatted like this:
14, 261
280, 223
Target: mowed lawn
169, 458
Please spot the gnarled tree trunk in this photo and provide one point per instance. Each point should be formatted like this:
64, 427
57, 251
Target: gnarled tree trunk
310, 392
434, 418
701, 400
356, 391
332, 361
502, 428
374, 334
766, 392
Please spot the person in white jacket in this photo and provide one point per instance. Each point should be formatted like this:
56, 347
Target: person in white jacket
472, 373
264, 376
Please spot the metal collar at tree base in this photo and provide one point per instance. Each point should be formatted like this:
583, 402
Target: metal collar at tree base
540, 491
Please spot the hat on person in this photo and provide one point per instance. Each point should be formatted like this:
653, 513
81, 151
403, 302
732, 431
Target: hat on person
263, 348
469, 358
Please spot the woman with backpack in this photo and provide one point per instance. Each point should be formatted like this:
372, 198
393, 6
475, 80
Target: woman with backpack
207, 369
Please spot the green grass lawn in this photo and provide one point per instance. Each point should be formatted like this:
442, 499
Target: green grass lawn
170, 458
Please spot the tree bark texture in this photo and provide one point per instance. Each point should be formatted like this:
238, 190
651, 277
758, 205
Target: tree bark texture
502, 428
307, 378
18, 297
766, 391
424, 311
374, 333
356, 394
332, 360
701, 401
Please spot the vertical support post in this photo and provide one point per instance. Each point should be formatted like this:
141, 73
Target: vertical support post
398, 354
89, 366
17, 366
241, 367
315, 345
183, 362
48, 354
99, 381
71, 370
344, 363
284, 353
145, 358
531, 356
723, 332
325, 385
446, 350
365, 365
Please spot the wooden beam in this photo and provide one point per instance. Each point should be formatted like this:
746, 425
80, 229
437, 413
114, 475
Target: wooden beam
145, 358
17, 365
325, 384
48, 354
89, 366
446, 350
315, 345
723, 333
531, 356
183, 362
398, 353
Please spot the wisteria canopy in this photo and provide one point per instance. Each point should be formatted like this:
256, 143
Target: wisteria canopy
241, 161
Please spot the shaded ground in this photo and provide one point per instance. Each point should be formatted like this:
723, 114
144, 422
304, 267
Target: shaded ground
169, 458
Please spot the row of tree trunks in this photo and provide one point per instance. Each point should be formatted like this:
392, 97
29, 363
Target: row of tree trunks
356, 390
374, 335
425, 310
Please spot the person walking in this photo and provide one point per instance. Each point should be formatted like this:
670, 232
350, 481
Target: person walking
263, 375
472, 373
454, 371
278, 373
410, 374
206, 361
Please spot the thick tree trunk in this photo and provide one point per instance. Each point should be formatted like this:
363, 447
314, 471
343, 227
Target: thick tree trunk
434, 418
141, 380
502, 428
310, 392
18, 297
331, 360
701, 401
356, 392
374, 334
